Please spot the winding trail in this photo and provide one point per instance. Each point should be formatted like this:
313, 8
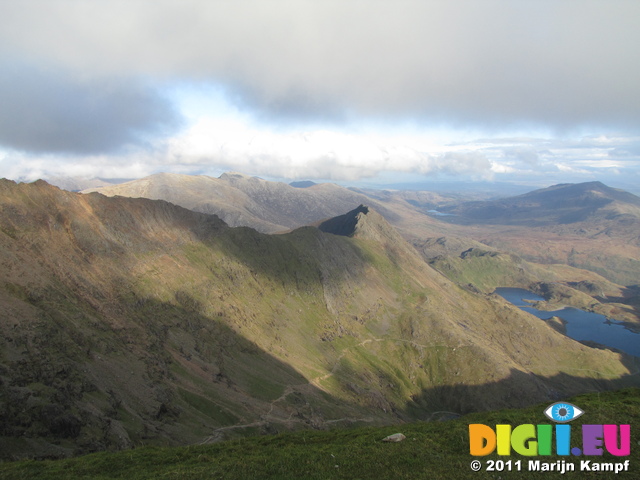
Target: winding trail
269, 417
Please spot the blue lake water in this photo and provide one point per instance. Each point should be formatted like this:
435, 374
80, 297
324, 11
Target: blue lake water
580, 325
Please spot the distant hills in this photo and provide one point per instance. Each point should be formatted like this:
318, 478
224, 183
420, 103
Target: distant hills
241, 200
588, 225
129, 321
557, 205
74, 184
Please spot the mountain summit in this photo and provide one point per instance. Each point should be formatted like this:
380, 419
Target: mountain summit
556, 205
367, 224
242, 200
347, 224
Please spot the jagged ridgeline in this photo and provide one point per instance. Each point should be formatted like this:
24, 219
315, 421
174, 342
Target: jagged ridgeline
132, 321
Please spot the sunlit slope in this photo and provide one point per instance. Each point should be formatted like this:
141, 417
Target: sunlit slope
587, 225
129, 321
556, 205
243, 200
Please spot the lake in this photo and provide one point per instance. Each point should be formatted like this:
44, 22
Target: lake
580, 325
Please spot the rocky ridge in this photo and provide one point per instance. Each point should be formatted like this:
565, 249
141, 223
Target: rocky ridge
133, 321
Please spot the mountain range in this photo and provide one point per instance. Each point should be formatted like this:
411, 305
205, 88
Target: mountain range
557, 205
130, 321
242, 200
565, 234
587, 226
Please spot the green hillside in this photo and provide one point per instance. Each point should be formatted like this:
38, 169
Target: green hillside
129, 322
433, 450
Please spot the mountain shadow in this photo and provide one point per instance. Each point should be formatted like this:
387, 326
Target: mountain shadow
128, 322
517, 390
73, 382
344, 225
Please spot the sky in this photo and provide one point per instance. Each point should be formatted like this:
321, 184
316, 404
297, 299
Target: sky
361, 92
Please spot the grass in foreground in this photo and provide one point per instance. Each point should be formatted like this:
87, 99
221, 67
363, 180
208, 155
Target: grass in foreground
438, 450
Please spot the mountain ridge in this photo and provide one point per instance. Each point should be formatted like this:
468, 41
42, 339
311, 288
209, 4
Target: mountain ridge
242, 200
131, 321
558, 204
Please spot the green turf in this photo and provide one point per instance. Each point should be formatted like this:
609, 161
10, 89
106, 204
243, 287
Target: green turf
434, 450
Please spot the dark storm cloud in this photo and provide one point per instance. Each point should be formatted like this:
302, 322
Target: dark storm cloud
295, 105
492, 63
49, 110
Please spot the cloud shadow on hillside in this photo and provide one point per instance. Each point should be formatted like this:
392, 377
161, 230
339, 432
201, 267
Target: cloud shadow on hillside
519, 389
303, 257
160, 373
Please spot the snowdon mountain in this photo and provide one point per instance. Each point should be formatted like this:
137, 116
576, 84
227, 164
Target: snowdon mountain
129, 321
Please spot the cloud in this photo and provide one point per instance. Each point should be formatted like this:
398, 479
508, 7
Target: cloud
494, 63
527, 155
48, 110
628, 150
327, 90
462, 163
317, 154
21, 166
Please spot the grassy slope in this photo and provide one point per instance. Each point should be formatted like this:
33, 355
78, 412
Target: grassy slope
482, 268
131, 322
606, 243
435, 450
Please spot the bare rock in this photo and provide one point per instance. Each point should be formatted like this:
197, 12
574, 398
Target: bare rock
396, 437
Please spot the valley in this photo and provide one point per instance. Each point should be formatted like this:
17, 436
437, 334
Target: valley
130, 321
277, 240
567, 233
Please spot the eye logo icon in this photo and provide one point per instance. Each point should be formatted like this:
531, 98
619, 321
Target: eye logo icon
563, 412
